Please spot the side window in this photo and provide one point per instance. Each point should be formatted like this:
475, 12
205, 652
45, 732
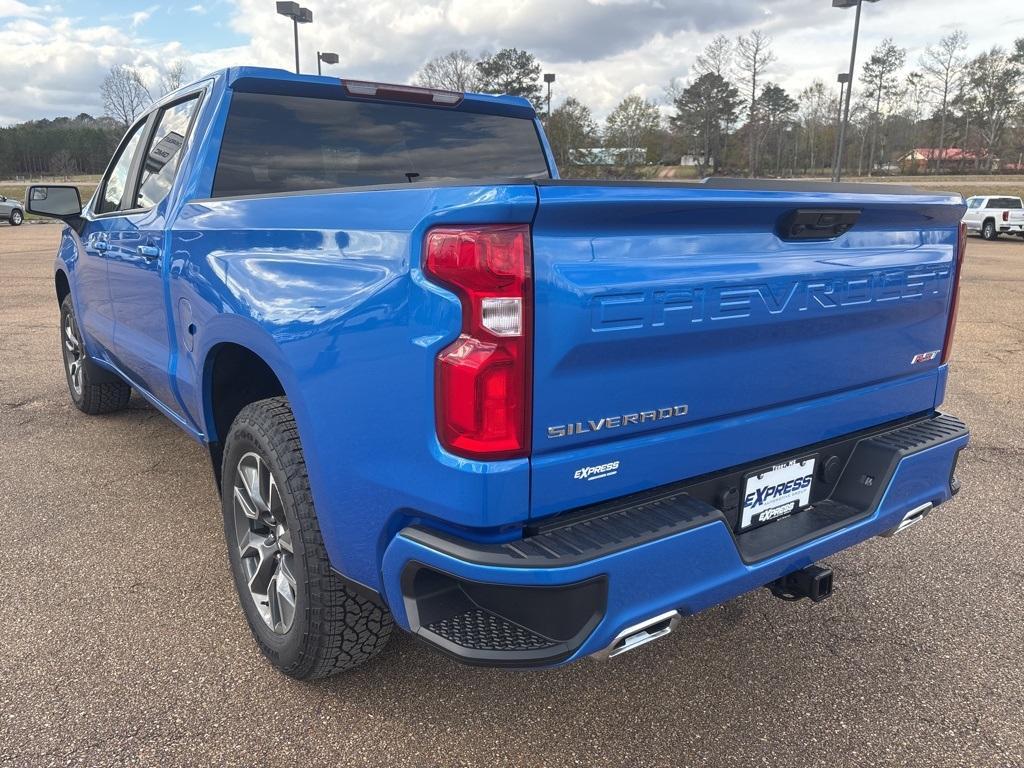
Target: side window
164, 152
113, 185
975, 202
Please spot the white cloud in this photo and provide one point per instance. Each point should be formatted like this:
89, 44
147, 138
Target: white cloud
141, 17
200, 9
55, 67
13, 8
600, 50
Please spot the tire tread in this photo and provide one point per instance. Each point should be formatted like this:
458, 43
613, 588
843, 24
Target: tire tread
345, 629
106, 395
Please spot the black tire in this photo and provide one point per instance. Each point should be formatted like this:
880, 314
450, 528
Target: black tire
332, 628
989, 231
16, 218
93, 390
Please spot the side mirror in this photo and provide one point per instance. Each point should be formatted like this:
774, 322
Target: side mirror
58, 201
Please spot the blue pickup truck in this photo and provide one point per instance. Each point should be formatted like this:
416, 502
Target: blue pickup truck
526, 419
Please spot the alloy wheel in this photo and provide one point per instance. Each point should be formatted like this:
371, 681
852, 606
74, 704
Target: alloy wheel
264, 543
73, 353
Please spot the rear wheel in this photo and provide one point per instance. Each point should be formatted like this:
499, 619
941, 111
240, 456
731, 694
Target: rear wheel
305, 619
989, 231
93, 390
16, 217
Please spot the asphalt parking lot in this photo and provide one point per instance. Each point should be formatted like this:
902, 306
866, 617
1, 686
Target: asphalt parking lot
122, 642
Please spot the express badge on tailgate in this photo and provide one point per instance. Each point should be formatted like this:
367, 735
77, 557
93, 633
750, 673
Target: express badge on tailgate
776, 492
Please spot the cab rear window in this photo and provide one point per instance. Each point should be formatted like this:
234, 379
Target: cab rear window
275, 143
1004, 202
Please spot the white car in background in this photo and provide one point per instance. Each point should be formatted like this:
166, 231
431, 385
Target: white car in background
991, 216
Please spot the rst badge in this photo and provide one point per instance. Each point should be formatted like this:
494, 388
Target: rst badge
776, 492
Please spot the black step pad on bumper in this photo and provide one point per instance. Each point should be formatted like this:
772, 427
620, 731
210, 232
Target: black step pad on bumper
611, 526
501, 625
482, 630
921, 435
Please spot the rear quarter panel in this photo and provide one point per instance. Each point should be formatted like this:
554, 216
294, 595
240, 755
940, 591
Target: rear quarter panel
327, 288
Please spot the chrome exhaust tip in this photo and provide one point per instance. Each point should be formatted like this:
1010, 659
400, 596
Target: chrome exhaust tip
916, 515
639, 634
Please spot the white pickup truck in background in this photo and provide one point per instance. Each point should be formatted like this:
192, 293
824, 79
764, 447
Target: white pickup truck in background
993, 216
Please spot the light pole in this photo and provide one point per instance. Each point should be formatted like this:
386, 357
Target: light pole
837, 170
298, 16
842, 79
549, 78
326, 58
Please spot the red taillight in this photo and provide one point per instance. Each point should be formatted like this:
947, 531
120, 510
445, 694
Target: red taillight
482, 379
1006, 215
954, 304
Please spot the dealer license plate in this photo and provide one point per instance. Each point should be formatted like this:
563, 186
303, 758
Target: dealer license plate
776, 492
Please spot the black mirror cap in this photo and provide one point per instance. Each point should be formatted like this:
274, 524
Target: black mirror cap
57, 201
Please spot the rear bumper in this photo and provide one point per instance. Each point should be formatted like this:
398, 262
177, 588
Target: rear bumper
569, 590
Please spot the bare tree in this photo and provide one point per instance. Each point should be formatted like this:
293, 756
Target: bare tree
943, 68
992, 96
124, 94
816, 111
62, 163
880, 84
753, 55
674, 89
454, 71
914, 104
716, 58
177, 74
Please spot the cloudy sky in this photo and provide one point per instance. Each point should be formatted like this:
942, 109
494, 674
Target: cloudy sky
53, 55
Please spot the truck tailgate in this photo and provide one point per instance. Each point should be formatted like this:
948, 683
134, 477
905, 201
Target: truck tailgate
681, 330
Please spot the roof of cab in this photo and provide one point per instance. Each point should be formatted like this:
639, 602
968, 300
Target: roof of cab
280, 80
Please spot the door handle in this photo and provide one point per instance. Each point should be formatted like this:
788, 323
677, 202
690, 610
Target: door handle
149, 252
818, 223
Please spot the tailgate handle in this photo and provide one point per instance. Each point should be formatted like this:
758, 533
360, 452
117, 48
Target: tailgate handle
817, 223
